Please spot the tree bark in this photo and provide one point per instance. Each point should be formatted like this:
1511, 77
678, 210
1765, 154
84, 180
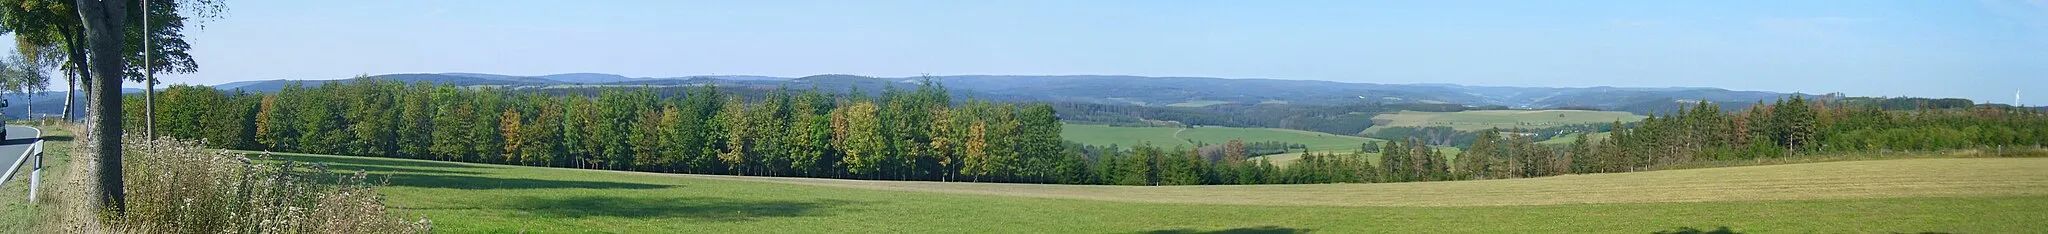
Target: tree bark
103, 24
70, 84
75, 47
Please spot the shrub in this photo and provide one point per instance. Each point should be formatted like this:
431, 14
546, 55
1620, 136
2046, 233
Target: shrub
178, 186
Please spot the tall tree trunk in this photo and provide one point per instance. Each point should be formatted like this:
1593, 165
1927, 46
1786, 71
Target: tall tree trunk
75, 47
103, 24
70, 84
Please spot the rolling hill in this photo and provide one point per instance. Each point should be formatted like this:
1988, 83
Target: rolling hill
1192, 92
46, 103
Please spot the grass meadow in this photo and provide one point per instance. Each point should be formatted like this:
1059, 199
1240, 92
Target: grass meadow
1972, 195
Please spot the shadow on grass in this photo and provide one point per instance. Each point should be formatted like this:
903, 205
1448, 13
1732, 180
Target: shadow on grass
476, 182
1690, 230
1249, 230
352, 168
373, 161
695, 208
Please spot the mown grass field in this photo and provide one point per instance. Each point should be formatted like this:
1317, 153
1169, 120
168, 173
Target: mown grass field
1984, 195
1503, 119
1166, 137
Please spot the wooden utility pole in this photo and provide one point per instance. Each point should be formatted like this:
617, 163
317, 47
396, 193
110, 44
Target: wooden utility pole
149, 77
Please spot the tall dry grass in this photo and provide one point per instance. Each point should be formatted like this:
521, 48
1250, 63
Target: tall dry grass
176, 186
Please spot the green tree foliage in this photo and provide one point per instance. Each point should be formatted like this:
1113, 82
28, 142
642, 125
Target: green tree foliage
1318, 168
541, 147
810, 139
741, 134
414, 131
451, 125
1581, 156
24, 75
1394, 163
1038, 144
485, 143
699, 134
1798, 126
857, 134
1002, 139
1477, 160
220, 119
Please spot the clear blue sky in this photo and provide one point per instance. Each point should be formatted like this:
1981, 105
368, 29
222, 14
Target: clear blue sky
1979, 50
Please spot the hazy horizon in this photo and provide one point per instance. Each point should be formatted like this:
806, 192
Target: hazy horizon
1982, 50
943, 75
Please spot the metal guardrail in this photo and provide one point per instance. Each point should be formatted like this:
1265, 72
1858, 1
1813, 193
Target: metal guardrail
34, 150
18, 162
35, 176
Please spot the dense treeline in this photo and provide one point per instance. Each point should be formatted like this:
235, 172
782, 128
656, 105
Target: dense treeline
902, 134
1786, 128
915, 134
1149, 165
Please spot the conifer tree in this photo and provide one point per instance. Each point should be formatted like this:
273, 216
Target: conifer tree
1394, 162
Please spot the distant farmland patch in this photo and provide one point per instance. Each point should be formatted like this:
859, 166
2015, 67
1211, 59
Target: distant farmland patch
1288, 158
1503, 119
1197, 103
1170, 137
1569, 138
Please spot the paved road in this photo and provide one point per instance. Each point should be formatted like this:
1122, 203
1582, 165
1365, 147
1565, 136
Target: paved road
18, 139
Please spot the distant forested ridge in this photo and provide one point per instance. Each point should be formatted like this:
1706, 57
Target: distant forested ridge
1132, 90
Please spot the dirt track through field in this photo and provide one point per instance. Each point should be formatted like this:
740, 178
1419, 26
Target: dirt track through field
1972, 177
